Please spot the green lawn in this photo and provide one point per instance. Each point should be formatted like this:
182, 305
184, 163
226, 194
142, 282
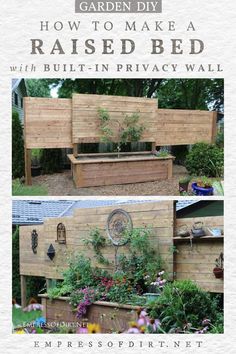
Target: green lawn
19, 189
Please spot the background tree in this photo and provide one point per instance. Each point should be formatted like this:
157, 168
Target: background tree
171, 93
18, 164
38, 87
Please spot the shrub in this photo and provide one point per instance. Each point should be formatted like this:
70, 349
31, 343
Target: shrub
51, 160
16, 294
205, 159
18, 164
33, 284
220, 139
182, 303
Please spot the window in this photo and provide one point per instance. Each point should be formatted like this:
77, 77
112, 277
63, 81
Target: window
61, 233
21, 102
15, 99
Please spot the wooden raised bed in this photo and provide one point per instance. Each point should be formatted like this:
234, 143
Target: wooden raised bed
111, 316
107, 169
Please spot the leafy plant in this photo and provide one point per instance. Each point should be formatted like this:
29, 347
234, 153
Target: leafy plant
186, 179
204, 182
219, 262
162, 153
182, 306
220, 138
143, 259
36, 156
98, 242
205, 160
129, 130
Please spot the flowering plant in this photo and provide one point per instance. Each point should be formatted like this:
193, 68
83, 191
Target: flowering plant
157, 285
145, 324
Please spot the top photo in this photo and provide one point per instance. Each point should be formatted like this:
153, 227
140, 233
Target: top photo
118, 137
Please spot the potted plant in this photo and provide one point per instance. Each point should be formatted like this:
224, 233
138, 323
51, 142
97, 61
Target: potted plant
183, 184
203, 186
218, 271
155, 287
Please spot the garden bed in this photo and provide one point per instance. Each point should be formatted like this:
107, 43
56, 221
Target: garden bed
112, 317
107, 169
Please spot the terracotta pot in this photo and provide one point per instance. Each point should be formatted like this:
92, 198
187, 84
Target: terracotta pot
218, 272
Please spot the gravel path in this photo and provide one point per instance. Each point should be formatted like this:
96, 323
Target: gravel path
62, 184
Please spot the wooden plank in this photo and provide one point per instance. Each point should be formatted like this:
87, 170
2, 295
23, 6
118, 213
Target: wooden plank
78, 227
28, 177
85, 122
47, 123
121, 171
23, 291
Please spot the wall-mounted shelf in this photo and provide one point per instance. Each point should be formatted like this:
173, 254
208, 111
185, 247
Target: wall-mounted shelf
206, 238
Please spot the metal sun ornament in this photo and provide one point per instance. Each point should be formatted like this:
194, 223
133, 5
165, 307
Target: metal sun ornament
118, 222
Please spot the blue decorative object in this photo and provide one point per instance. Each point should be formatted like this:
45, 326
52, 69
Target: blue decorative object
201, 191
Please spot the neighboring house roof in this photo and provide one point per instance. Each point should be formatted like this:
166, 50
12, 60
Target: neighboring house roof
16, 82
181, 204
32, 212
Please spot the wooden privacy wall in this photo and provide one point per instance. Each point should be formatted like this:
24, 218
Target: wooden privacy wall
47, 123
158, 215
197, 262
185, 127
60, 123
85, 121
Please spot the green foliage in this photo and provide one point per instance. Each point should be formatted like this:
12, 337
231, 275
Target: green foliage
38, 87
34, 284
186, 179
162, 153
220, 139
18, 164
205, 159
78, 275
204, 182
20, 318
16, 293
191, 94
171, 93
182, 303
142, 259
36, 156
131, 131
51, 160
19, 189
128, 131
98, 242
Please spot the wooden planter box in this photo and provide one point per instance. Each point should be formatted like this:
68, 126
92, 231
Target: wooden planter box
111, 316
107, 169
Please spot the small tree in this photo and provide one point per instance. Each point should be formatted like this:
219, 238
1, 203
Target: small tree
129, 130
18, 164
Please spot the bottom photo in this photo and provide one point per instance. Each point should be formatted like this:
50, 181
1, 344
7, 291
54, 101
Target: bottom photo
117, 266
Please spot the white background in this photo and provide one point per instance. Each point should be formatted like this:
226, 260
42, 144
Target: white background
215, 24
